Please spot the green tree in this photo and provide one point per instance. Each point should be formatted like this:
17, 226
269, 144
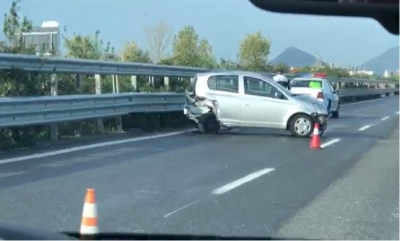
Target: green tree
335, 72
307, 69
227, 64
19, 83
189, 50
84, 47
281, 67
254, 51
12, 26
167, 61
393, 77
184, 47
205, 55
330, 71
133, 53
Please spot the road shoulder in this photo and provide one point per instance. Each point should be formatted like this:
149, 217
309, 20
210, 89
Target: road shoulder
362, 205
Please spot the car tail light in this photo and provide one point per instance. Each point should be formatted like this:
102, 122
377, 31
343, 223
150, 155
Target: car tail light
320, 95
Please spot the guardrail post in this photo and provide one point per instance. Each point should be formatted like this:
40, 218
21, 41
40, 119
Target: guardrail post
78, 87
97, 80
151, 80
78, 83
134, 83
118, 119
166, 82
54, 91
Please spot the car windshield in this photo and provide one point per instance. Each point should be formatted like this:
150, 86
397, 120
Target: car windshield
152, 116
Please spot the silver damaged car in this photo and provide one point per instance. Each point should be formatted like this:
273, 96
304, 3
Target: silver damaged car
235, 99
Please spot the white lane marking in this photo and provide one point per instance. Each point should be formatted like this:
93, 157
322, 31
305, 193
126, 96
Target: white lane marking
385, 118
94, 157
79, 148
181, 208
331, 142
9, 174
364, 128
226, 188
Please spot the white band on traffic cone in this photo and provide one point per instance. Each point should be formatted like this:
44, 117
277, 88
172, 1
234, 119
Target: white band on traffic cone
316, 130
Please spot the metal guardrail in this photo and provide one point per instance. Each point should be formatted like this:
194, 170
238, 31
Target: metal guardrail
83, 66
358, 92
24, 111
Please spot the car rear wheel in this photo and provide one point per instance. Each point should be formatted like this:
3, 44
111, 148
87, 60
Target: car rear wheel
208, 124
301, 125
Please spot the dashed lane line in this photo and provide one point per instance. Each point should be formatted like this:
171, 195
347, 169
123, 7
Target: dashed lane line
228, 187
364, 127
91, 146
331, 142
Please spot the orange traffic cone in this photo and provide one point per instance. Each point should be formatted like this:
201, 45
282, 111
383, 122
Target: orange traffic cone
89, 215
315, 143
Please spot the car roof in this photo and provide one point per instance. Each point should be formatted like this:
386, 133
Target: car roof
234, 72
312, 78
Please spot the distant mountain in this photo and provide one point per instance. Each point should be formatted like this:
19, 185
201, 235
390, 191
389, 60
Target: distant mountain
294, 57
388, 60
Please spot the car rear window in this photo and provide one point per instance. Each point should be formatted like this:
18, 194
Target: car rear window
306, 83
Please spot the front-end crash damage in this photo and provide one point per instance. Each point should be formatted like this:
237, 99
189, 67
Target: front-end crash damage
321, 119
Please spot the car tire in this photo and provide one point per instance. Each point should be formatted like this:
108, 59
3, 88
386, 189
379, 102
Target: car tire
296, 122
208, 124
335, 114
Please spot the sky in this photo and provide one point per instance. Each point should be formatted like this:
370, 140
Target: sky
343, 41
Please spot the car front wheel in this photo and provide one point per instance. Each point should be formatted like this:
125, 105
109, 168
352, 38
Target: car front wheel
301, 125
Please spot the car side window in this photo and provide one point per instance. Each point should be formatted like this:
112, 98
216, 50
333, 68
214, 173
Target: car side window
226, 83
254, 86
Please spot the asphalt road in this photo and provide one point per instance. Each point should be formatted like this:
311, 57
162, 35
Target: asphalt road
248, 182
